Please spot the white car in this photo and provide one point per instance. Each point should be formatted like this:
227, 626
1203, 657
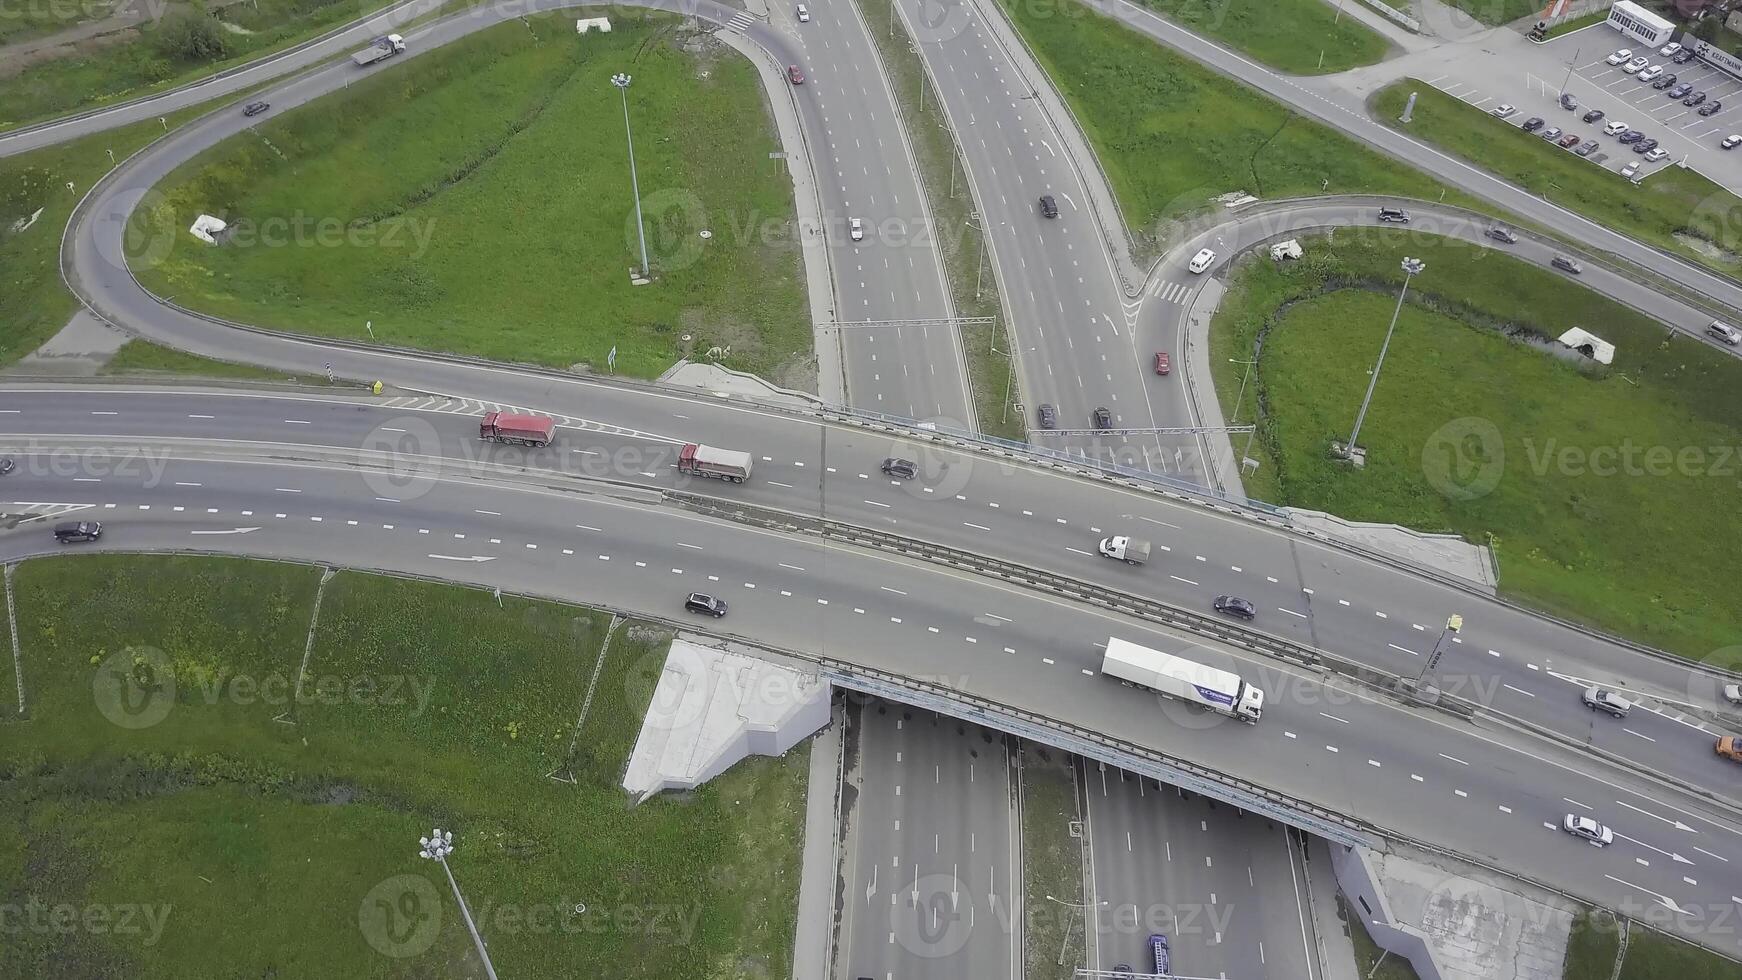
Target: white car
1588, 829
1733, 692
1671, 49
804, 14
1650, 74
1202, 260
1631, 170
1620, 56
1731, 141
1615, 128
1655, 154
1504, 109
856, 229
1635, 65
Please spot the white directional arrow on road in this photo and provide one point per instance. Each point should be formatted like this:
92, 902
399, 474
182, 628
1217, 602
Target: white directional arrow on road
1677, 824
1665, 899
478, 558
1674, 857
232, 530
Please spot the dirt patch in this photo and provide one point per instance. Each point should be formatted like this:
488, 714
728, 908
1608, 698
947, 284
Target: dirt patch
1709, 249
15, 63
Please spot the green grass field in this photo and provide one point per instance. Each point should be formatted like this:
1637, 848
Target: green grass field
93, 76
1572, 24
1607, 541
277, 836
1497, 12
477, 200
1288, 35
1591, 947
1052, 864
1372, 962
1671, 209
1172, 135
143, 357
34, 303
1651, 956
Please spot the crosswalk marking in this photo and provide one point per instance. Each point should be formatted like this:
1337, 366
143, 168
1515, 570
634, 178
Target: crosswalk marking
1172, 292
740, 22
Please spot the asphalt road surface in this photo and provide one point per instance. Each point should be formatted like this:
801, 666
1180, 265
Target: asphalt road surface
1471, 789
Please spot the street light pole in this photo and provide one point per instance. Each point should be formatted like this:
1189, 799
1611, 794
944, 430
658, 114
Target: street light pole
437, 847
1411, 268
1242, 395
1454, 623
621, 80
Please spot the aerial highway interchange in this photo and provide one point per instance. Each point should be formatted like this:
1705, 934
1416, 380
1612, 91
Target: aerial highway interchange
400, 483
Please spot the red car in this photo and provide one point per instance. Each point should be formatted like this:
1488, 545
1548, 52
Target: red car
1161, 363
795, 75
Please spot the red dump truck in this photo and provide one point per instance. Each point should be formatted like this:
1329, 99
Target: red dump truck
715, 464
518, 430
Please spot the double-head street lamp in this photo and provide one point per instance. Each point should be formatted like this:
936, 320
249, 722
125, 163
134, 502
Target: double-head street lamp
621, 80
1411, 268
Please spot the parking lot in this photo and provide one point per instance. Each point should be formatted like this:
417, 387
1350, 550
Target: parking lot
1532, 80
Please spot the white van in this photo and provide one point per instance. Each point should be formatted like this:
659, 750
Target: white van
1201, 261
1650, 74
1615, 128
1723, 331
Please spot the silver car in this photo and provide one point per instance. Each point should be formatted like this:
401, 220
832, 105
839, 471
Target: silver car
1587, 829
1601, 699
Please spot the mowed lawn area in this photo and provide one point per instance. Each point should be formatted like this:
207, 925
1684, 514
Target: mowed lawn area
143, 60
1670, 209
477, 200
1597, 488
1172, 135
1288, 35
277, 836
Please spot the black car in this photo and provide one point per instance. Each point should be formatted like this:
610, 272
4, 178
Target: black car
1233, 605
1565, 264
1049, 208
1694, 99
1102, 418
6, 465
1533, 124
707, 605
1568, 102
1506, 235
1593, 115
1631, 136
1711, 108
256, 108
1394, 215
1679, 91
1645, 146
903, 468
1664, 82
1684, 56
1049, 417
70, 531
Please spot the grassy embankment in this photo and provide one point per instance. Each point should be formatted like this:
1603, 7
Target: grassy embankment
1675, 209
281, 833
144, 60
1052, 864
1299, 37
1607, 540
1172, 135
477, 200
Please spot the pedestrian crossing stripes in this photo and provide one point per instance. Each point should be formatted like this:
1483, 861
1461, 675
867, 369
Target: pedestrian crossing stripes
740, 22
449, 405
1171, 292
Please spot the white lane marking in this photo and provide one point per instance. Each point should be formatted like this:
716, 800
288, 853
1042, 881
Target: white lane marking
1452, 759
876, 504
1519, 690
1403, 649
1291, 612
1187, 581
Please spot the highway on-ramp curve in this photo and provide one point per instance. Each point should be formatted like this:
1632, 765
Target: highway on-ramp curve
1418, 775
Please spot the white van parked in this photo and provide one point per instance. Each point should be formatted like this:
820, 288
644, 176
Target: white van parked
1615, 128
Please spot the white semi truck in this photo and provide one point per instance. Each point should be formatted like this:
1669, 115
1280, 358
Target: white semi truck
1187, 680
385, 46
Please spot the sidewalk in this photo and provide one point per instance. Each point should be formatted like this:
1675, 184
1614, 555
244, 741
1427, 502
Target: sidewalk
1336, 949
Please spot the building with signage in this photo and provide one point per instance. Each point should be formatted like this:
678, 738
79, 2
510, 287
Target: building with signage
1718, 58
1639, 24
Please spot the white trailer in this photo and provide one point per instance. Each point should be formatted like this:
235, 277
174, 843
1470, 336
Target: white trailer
1187, 680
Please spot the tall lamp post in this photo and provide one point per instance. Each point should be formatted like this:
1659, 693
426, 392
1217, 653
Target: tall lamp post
1411, 269
621, 80
1454, 623
437, 847
1075, 907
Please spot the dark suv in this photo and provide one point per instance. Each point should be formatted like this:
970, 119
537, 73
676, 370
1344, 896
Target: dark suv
1394, 215
903, 468
69, 531
707, 605
1102, 418
256, 108
1049, 208
1049, 417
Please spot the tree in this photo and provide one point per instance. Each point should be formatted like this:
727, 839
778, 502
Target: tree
191, 35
